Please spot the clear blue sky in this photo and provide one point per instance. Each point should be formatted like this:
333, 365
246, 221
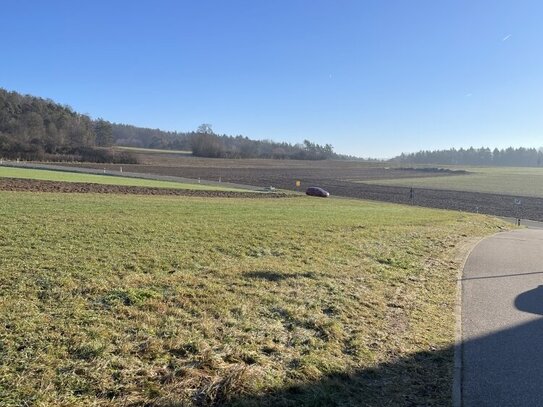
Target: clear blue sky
373, 78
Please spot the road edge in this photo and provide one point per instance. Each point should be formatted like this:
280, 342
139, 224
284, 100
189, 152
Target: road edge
462, 255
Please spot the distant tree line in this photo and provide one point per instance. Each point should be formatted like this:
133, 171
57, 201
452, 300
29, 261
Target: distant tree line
132, 136
514, 157
33, 128
205, 143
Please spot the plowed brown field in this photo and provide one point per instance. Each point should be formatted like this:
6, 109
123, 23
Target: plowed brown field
17, 184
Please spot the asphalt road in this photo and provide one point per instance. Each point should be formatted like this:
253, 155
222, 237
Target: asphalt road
502, 322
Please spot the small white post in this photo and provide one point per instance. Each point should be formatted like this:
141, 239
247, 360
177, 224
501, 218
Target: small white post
121, 169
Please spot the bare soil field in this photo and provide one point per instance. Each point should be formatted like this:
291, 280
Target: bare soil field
340, 178
277, 173
19, 184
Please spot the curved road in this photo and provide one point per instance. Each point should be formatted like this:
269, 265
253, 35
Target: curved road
502, 321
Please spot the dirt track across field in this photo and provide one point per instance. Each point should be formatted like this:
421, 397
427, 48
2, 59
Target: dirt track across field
17, 184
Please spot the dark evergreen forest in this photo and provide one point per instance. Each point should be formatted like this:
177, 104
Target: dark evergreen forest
513, 157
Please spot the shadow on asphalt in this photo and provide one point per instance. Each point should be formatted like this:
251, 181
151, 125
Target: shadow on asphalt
531, 301
506, 368
501, 276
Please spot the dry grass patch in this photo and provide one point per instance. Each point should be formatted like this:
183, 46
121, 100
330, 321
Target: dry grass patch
164, 301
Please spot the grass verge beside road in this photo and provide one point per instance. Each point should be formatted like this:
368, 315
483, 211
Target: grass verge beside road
159, 301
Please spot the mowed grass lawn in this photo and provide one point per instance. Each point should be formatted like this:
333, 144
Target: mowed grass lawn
46, 175
495, 180
115, 300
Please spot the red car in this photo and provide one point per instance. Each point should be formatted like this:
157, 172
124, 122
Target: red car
316, 191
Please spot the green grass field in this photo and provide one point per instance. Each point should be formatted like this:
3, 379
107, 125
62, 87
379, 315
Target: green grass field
496, 180
114, 300
46, 175
153, 150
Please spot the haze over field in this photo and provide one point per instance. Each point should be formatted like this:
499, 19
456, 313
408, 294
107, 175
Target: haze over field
371, 78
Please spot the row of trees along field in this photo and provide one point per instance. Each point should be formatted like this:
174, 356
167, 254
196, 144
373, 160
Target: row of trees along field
514, 157
39, 129
132, 136
205, 143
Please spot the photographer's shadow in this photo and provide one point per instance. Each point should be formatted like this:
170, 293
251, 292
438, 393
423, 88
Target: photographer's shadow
531, 301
